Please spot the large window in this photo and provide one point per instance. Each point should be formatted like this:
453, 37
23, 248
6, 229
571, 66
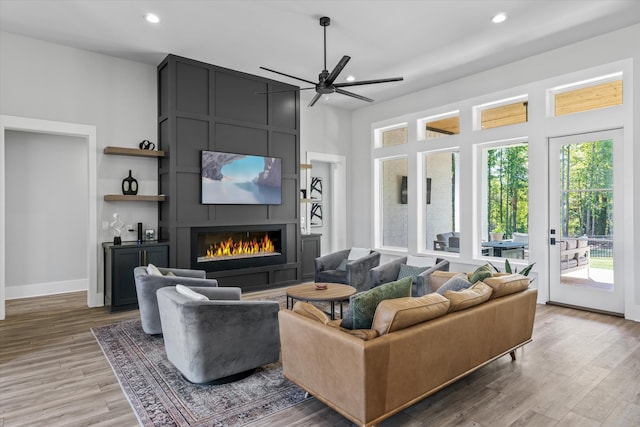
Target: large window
441, 218
505, 200
393, 202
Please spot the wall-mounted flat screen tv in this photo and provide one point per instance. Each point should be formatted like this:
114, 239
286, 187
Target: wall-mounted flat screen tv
240, 179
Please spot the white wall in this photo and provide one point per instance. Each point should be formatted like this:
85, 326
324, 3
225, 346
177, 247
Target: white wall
47, 81
609, 48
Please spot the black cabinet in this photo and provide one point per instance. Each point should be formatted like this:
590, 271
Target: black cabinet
119, 262
310, 251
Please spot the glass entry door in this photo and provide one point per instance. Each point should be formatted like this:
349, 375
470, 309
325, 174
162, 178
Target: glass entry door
583, 221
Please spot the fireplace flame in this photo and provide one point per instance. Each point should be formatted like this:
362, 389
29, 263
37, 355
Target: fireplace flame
230, 247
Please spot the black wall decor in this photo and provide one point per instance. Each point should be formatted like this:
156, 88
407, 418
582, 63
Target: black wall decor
205, 107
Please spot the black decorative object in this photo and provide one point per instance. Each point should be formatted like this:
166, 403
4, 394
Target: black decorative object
139, 232
147, 145
129, 185
117, 240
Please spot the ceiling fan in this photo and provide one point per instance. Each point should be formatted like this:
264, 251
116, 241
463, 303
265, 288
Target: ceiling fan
325, 84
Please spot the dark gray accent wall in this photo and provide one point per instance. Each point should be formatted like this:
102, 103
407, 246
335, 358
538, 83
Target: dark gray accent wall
205, 107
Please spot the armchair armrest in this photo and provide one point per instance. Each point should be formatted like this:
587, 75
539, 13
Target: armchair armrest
358, 271
331, 261
423, 285
387, 272
226, 293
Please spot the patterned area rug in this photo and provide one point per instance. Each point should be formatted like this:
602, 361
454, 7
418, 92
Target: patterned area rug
160, 396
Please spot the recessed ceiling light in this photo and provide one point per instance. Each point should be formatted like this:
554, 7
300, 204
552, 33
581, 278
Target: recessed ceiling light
500, 17
350, 78
152, 18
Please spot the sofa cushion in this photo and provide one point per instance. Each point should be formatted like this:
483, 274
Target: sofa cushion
467, 298
507, 285
480, 273
363, 334
310, 311
400, 313
357, 253
456, 283
410, 271
362, 306
191, 294
152, 270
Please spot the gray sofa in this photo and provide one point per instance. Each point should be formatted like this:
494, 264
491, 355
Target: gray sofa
211, 340
449, 242
388, 272
147, 285
356, 273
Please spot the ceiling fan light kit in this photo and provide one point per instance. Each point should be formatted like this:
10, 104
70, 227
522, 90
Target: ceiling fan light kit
325, 84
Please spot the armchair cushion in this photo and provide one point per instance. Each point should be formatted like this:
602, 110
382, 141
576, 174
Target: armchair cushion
152, 270
343, 265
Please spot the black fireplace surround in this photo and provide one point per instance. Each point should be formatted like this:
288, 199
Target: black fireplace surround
241, 246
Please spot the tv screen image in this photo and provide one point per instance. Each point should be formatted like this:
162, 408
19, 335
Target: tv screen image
241, 179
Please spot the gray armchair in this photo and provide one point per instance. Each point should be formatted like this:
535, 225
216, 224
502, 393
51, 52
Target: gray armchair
356, 272
388, 272
216, 339
147, 285
449, 242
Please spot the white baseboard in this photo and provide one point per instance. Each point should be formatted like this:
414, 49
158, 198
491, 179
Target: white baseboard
40, 289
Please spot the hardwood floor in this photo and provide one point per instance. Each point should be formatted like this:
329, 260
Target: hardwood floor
582, 369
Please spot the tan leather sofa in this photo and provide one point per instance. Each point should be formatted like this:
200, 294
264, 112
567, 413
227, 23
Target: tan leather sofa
367, 381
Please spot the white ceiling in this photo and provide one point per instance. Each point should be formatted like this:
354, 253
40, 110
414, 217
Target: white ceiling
428, 42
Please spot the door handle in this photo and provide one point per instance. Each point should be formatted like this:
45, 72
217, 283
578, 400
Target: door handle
552, 241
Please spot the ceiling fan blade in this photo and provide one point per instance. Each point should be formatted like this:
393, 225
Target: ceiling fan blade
283, 90
338, 68
314, 100
354, 95
289, 75
368, 82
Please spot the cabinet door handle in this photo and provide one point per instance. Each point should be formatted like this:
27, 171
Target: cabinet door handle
139, 258
145, 257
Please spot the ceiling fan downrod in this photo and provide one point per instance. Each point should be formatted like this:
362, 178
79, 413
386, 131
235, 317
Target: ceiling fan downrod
325, 21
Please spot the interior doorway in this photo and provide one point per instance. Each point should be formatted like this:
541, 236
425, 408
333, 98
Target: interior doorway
85, 134
585, 178
334, 214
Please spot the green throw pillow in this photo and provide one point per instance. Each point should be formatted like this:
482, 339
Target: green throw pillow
481, 273
410, 271
363, 305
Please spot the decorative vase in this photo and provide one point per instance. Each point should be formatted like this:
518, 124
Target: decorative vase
496, 236
129, 185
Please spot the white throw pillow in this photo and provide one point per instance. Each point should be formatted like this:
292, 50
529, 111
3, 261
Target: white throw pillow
421, 261
152, 270
357, 253
190, 293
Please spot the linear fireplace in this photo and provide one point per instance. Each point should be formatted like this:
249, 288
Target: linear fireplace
241, 246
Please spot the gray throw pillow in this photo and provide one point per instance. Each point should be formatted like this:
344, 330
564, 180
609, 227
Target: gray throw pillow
343, 265
410, 271
456, 283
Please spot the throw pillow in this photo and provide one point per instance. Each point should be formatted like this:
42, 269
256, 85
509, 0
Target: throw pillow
456, 283
183, 290
362, 306
410, 271
152, 270
475, 295
507, 285
421, 261
170, 274
481, 273
343, 265
356, 253
400, 313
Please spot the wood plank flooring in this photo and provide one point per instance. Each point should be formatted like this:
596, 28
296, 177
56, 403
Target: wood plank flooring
582, 369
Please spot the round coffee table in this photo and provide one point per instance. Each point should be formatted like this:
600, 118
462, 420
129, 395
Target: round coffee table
335, 292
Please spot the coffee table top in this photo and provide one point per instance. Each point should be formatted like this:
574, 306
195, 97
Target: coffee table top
308, 292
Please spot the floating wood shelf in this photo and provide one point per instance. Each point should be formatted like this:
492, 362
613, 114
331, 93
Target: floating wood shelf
305, 166
136, 198
133, 152
305, 200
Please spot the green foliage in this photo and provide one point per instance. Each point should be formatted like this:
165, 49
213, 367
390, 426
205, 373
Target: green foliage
507, 268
